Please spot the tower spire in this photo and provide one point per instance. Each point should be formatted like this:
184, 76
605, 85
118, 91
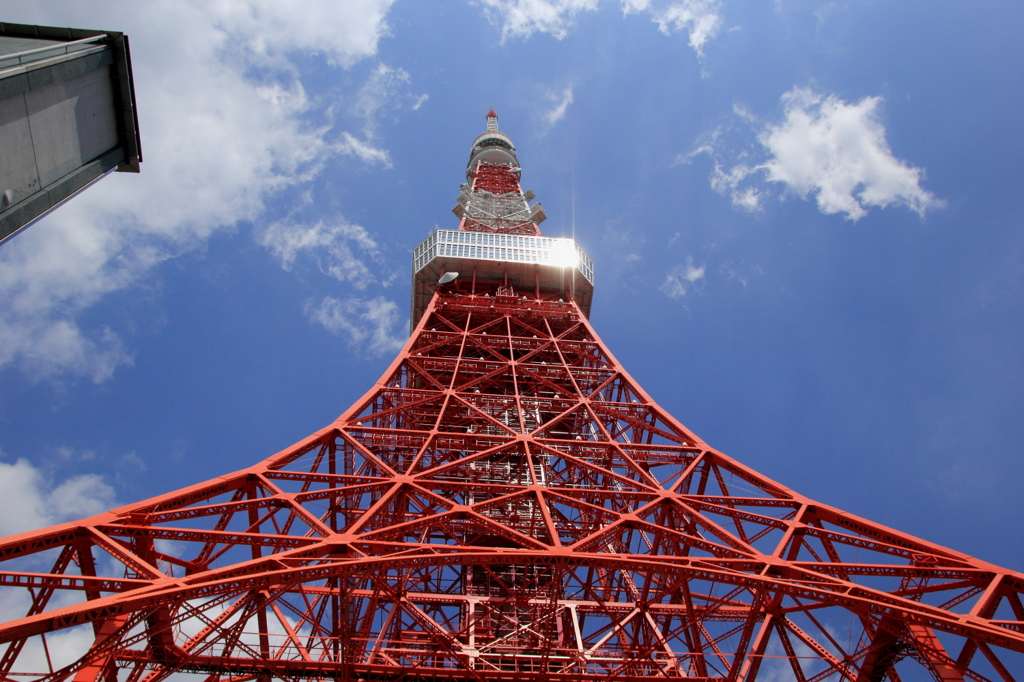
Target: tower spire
498, 235
505, 503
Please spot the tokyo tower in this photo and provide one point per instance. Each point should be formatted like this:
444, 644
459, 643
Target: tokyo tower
506, 503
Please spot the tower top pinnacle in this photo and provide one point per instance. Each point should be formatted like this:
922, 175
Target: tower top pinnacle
492, 146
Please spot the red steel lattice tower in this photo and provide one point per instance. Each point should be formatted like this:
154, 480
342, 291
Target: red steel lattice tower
506, 503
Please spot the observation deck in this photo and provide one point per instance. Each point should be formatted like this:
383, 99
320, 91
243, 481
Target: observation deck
543, 268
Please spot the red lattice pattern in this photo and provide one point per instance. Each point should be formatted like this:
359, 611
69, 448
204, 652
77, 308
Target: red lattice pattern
495, 178
502, 227
505, 504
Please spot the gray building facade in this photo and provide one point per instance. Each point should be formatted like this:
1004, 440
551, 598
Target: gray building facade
67, 117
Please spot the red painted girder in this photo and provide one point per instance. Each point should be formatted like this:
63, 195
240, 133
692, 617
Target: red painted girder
722, 524
304, 669
860, 600
70, 582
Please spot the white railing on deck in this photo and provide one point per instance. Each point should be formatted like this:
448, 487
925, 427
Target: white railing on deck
508, 248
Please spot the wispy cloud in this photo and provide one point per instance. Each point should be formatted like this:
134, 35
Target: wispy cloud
682, 278
379, 94
823, 147
523, 18
363, 150
701, 20
562, 102
368, 324
741, 272
728, 182
225, 117
334, 246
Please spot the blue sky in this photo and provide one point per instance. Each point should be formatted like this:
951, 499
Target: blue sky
806, 220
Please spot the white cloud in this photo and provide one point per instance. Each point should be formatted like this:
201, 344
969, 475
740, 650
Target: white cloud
367, 323
523, 18
49, 346
700, 19
31, 501
63, 647
562, 102
365, 151
823, 147
378, 94
728, 182
741, 272
331, 245
838, 152
67, 454
220, 137
344, 32
682, 278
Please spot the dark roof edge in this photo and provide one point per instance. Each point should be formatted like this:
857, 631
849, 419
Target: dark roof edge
53, 32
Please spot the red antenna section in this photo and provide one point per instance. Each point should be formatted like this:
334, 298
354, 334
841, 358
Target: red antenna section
493, 200
505, 503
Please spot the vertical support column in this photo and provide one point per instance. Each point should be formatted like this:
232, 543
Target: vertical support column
752, 664
260, 597
101, 665
931, 648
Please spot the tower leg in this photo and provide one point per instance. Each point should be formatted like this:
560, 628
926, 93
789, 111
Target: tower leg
933, 651
101, 666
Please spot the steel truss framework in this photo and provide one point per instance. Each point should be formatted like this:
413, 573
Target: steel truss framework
495, 202
505, 504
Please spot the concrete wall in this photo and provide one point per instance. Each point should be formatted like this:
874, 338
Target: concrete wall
47, 133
